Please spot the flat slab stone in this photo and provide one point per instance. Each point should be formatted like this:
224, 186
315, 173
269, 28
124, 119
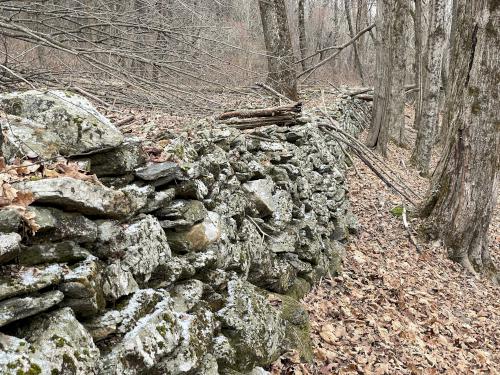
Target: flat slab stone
51, 123
9, 246
22, 307
166, 171
56, 225
77, 195
59, 252
15, 281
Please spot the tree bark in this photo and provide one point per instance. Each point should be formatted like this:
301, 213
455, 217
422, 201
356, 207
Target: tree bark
464, 189
430, 117
389, 94
302, 34
417, 23
357, 61
280, 59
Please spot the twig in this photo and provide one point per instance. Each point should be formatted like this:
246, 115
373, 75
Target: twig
410, 235
274, 92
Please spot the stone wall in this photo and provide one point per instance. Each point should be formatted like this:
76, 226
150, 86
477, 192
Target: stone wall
188, 266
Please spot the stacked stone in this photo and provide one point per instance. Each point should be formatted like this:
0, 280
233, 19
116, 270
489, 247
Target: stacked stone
192, 267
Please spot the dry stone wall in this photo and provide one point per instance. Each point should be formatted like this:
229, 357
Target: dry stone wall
190, 266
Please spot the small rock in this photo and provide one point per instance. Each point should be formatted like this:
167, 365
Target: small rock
125, 159
10, 221
21, 307
192, 189
186, 295
261, 193
55, 225
26, 280
160, 173
82, 288
118, 281
9, 246
182, 212
159, 200
60, 252
198, 237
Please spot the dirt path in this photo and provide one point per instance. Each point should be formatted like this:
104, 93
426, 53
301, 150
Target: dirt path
394, 311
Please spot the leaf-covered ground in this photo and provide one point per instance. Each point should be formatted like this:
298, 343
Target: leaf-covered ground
394, 310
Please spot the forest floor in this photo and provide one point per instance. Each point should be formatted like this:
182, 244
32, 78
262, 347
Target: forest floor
395, 310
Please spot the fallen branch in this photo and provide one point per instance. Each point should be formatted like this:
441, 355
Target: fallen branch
266, 112
251, 123
125, 121
274, 92
410, 235
339, 48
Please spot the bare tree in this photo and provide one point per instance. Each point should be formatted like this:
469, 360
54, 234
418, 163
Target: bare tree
280, 59
389, 93
419, 58
428, 128
302, 33
464, 188
357, 60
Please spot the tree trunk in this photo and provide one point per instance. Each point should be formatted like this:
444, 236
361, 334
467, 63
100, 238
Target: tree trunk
389, 94
464, 189
280, 59
302, 34
430, 116
418, 62
357, 61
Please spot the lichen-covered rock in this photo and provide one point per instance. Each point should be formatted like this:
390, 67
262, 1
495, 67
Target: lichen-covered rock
141, 246
159, 200
125, 159
53, 343
181, 213
82, 288
123, 319
54, 123
252, 326
198, 237
152, 338
56, 225
9, 246
261, 193
78, 195
195, 339
49, 252
186, 295
118, 281
159, 173
15, 281
21, 307
192, 189
10, 220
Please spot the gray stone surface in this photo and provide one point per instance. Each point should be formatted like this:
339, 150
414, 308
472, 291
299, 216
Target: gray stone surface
15, 281
162, 173
49, 252
55, 225
77, 195
53, 123
21, 307
9, 246
10, 220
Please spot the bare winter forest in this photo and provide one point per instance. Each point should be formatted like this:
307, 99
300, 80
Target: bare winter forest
249, 187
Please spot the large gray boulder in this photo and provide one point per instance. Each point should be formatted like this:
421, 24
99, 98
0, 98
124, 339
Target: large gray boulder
51, 123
